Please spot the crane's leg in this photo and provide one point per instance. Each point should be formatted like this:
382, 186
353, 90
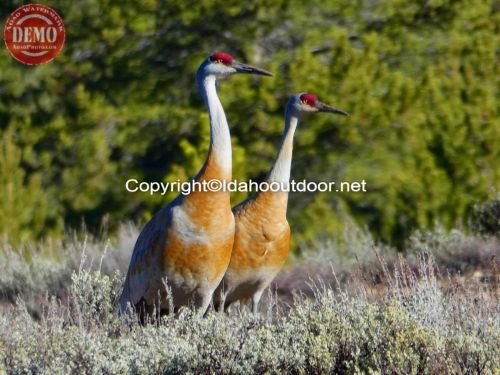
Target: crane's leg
220, 299
227, 305
203, 302
255, 300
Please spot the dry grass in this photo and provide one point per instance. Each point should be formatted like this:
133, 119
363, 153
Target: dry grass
348, 306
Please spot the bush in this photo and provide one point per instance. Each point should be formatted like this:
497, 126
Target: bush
486, 218
423, 323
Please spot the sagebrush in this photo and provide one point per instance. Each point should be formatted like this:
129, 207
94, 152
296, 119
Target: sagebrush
421, 322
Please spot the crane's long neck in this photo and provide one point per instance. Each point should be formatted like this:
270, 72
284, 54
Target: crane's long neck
280, 171
218, 164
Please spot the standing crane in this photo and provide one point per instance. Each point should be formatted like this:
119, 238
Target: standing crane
186, 246
262, 235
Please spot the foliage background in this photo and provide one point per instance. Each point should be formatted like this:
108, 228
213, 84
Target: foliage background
420, 79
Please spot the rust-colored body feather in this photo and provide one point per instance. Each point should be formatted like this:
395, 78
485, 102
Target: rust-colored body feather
261, 246
186, 245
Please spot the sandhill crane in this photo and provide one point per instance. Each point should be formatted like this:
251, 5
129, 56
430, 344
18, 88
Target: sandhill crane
188, 243
262, 236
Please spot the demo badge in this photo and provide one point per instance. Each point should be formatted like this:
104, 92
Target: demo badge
34, 34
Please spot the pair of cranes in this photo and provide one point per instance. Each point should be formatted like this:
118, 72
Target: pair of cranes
196, 248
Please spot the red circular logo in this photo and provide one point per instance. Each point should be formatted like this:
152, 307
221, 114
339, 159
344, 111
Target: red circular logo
34, 34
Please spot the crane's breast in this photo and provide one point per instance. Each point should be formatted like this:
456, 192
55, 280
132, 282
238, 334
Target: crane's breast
198, 253
259, 243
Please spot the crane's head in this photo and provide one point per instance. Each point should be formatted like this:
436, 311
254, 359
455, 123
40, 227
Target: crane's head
304, 103
222, 65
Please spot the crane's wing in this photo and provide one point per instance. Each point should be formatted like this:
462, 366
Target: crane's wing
142, 271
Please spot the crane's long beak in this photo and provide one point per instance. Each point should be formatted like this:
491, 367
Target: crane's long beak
243, 68
322, 107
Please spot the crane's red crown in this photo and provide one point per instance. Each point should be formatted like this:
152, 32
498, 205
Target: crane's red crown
309, 99
222, 57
